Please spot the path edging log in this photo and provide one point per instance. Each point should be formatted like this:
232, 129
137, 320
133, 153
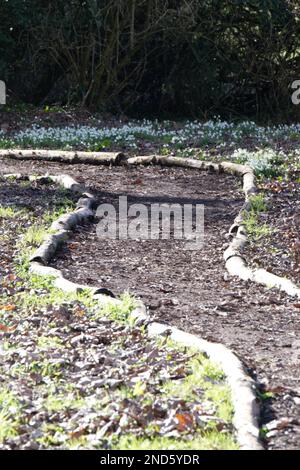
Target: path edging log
62, 228
245, 403
66, 156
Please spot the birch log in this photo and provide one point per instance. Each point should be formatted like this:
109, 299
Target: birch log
94, 158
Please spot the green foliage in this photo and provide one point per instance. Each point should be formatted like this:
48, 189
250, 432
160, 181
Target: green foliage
35, 235
120, 312
9, 414
208, 377
258, 204
251, 220
9, 212
211, 440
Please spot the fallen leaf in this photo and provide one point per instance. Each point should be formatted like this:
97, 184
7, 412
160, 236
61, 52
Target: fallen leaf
79, 312
185, 421
73, 246
7, 329
8, 307
77, 433
138, 181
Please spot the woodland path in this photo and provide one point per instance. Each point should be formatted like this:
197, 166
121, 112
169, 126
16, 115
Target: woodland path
190, 289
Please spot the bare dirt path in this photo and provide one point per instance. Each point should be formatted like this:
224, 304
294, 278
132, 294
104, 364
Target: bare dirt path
190, 289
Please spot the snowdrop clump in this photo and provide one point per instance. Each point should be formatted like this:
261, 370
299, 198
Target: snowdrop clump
84, 136
261, 161
221, 134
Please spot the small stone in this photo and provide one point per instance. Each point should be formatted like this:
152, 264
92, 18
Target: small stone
76, 340
272, 434
36, 434
84, 382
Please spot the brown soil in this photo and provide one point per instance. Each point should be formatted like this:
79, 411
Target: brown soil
279, 252
190, 289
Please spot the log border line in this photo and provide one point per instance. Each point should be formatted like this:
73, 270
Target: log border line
246, 408
235, 263
65, 156
243, 388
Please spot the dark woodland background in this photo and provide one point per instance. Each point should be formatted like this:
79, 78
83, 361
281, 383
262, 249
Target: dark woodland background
154, 58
